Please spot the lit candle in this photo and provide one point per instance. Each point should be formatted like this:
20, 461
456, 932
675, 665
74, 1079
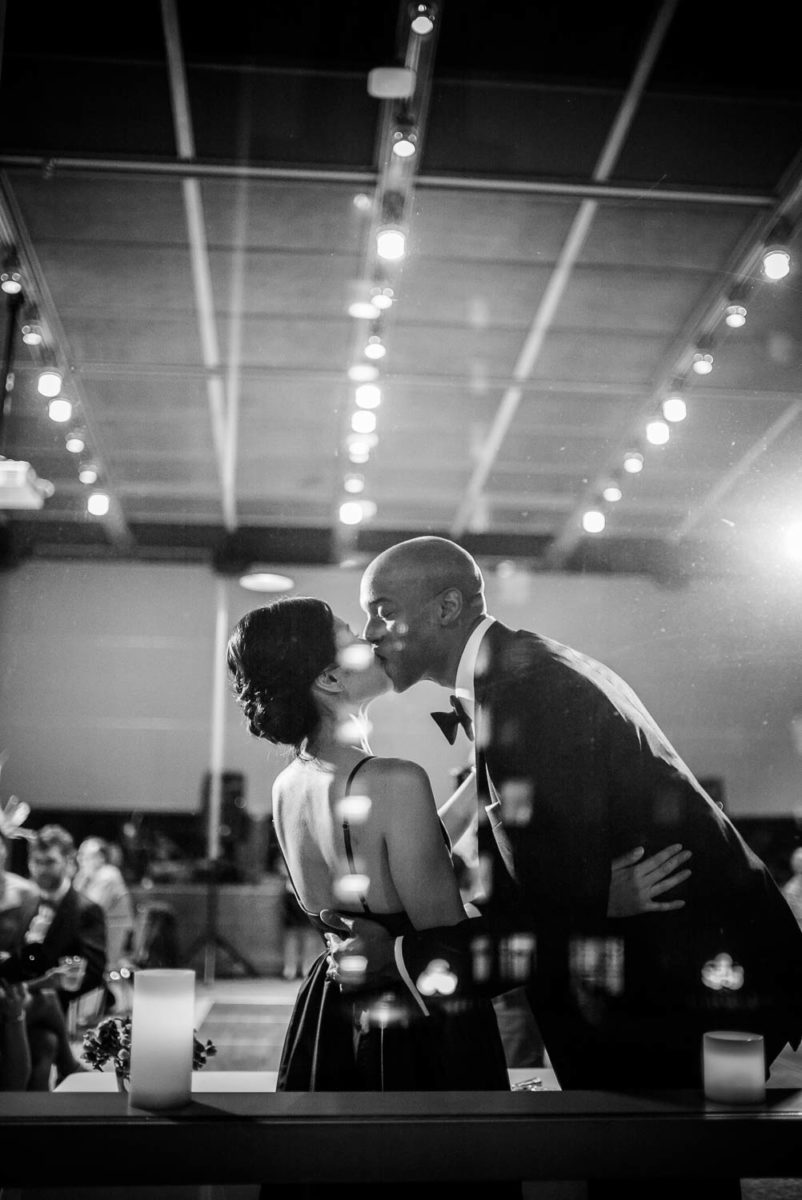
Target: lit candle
734, 1067
162, 1038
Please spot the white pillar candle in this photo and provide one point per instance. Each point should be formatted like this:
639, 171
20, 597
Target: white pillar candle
162, 1036
734, 1067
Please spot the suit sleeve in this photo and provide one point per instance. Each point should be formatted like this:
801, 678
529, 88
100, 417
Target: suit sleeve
92, 942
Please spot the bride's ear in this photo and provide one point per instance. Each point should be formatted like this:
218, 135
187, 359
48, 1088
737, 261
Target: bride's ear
329, 680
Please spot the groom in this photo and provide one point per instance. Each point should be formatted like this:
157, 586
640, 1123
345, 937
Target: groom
571, 771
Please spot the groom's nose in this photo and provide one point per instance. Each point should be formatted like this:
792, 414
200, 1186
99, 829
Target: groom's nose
373, 630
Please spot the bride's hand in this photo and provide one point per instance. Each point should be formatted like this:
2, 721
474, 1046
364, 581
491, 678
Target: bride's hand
635, 881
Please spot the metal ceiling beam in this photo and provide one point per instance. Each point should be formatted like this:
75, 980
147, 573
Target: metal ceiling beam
555, 288
222, 408
51, 165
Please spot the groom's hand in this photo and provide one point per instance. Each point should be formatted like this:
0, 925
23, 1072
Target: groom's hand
360, 952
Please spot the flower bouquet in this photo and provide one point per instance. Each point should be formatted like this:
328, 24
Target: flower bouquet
110, 1041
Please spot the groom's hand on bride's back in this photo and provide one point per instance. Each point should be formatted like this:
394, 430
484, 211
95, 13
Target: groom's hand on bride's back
360, 952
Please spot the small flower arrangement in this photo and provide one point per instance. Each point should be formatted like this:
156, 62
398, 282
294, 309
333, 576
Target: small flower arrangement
110, 1041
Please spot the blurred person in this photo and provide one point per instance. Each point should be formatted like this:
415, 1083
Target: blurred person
792, 888
100, 879
19, 897
15, 1054
65, 943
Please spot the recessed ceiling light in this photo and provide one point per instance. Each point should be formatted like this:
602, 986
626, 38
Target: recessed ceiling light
259, 578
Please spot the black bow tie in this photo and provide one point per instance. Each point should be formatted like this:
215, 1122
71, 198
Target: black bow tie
450, 722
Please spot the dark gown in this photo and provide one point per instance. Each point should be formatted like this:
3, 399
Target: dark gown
381, 1041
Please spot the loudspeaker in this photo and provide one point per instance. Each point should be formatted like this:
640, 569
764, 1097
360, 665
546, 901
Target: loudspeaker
234, 816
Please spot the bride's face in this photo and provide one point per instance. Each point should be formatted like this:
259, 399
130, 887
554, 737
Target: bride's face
361, 672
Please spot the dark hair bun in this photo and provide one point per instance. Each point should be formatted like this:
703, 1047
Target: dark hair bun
274, 655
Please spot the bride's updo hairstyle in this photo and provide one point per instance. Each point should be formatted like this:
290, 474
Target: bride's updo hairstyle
274, 655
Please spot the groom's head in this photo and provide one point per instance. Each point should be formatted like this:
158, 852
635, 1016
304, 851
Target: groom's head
421, 599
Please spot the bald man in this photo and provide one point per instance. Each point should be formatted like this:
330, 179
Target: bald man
572, 771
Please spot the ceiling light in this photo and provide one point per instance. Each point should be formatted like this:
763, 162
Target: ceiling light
98, 504
391, 243
702, 364
382, 297
612, 493
75, 442
657, 433
375, 347
593, 521
354, 484
633, 462
363, 310
50, 381
735, 316
88, 473
776, 259
32, 334
11, 276
60, 410
405, 142
260, 578
360, 445
674, 408
351, 512
391, 83
422, 21
362, 373
363, 421
368, 395
362, 202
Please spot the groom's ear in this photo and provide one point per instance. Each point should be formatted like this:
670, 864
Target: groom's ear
451, 605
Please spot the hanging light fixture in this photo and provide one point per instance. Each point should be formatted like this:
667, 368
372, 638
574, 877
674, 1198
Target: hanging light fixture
368, 395
657, 432
593, 521
49, 382
11, 275
422, 18
735, 316
674, 408
391, 240
702, 363
98, 504
633, 462
60, 410
261, 578
776, 261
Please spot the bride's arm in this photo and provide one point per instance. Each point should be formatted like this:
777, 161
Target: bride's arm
459, 812
418, 858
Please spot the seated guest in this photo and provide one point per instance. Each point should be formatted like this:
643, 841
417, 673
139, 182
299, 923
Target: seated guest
100, 879
15, 1055
19, 897
65, 926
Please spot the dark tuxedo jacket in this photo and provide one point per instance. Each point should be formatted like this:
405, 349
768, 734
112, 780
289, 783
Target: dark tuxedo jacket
78, 928
575, 772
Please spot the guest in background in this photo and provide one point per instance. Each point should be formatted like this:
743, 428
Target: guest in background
66, 943
15, 1054
19, 897
100, 879
792, 889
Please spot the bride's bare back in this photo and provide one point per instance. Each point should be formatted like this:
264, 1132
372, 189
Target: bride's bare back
398, 844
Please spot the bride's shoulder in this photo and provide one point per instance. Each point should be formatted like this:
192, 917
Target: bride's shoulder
398, 772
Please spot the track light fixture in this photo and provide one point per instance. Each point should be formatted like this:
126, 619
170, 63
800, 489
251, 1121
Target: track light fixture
735, 315
422, 18
390, 235
633, 462
88, 473
75, 441
49, 382
60, 410
776, 258
32, 334
702, 363
612, 493
674, 408
11, 275
405, 137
